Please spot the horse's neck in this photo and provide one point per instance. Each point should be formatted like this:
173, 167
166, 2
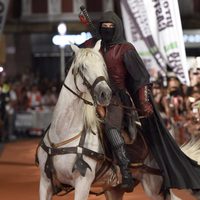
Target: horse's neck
68, 114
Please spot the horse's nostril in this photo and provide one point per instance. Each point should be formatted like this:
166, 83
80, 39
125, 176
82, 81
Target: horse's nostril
103, 95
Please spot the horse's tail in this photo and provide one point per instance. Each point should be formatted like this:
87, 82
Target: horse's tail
192, 149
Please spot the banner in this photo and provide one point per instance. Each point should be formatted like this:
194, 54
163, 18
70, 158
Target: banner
156, 32
3, 13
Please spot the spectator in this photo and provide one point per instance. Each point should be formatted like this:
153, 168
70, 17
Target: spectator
194, 73
159, 93
49, 99
34, 98
11, 112
23, 101
193, 120
175, 107
4, 99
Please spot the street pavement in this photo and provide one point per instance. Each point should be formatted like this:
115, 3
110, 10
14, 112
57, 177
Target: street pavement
19, 177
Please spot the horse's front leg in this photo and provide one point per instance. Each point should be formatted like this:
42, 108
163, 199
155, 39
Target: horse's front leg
45, 188
82, 188
82, 184
45, 192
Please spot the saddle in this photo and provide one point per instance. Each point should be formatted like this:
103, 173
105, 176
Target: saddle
135, 144
136, 147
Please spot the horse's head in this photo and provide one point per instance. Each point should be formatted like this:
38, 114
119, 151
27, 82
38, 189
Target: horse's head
90, 73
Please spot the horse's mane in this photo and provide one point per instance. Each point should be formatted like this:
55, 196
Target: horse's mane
90, 58
91, 120
85, 57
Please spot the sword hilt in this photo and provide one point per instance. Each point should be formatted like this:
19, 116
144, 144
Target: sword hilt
89, 20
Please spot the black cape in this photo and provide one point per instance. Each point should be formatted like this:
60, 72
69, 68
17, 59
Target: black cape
178, 170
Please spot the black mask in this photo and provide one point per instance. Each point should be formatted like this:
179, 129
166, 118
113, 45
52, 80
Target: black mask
107, 34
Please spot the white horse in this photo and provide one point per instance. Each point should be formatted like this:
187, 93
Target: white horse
85, 84
67, 152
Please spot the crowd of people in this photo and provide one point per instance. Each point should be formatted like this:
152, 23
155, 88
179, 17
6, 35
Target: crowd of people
23, 94
179, 104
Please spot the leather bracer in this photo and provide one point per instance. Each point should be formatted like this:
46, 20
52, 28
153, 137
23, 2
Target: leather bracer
145, 106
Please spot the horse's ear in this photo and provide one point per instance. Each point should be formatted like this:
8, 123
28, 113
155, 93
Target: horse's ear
97, 45
74, 48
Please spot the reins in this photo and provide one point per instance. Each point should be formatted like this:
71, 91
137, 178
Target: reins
79, 96
91, 87
92, 104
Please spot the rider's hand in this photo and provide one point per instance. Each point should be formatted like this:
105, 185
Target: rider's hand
146, 109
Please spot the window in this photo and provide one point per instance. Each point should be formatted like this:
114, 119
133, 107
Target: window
39, 6
67, 5
94, 6
196, 6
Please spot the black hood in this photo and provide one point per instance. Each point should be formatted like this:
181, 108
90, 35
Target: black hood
110, 16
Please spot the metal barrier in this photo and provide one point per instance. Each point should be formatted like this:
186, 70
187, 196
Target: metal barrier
30, 120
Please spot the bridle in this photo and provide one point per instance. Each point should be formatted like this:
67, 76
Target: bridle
89, 86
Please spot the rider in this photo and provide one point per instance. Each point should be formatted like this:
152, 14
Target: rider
127, 73
122, 63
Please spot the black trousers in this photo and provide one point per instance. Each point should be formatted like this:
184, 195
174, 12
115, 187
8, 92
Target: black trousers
114, 115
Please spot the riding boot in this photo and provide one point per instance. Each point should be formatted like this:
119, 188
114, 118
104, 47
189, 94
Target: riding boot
117, 144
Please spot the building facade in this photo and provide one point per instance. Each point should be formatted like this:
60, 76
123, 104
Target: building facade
26, 42
30, 27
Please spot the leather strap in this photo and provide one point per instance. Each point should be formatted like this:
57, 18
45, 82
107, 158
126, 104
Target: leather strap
84, 100
56, 145
67, 150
